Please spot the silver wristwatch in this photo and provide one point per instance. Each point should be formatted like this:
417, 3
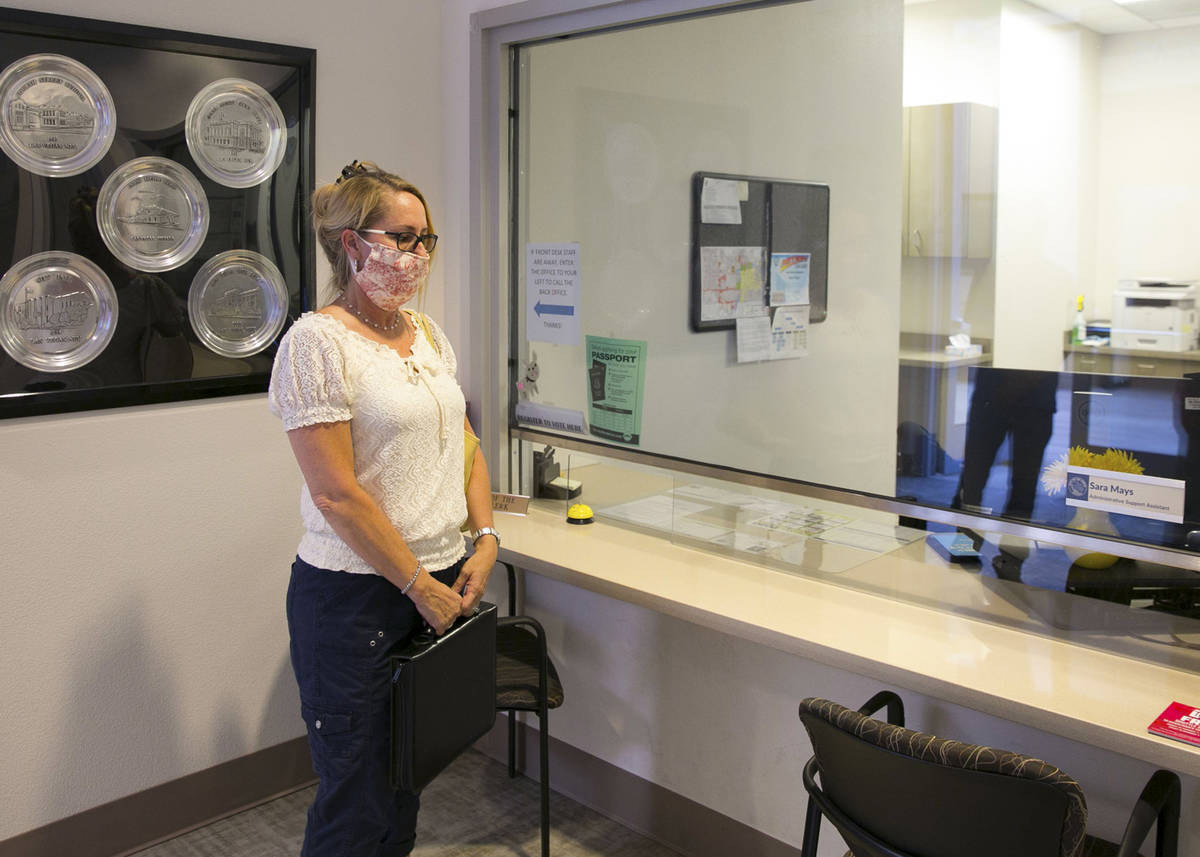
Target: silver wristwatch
485, 531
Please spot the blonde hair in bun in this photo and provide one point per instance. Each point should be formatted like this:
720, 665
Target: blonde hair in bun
358, 197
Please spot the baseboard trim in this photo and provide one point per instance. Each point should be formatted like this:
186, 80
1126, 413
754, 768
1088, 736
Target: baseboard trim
659, 813
130, 824
147, 817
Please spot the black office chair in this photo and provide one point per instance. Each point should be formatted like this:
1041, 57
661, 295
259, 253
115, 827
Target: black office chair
893, 792
526, 680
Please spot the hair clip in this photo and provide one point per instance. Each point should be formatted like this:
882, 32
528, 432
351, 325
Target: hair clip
354, 169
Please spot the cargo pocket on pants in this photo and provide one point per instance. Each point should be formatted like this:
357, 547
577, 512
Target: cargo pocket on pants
335, 738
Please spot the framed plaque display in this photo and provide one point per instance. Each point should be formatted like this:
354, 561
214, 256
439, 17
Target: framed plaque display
56, 115
59, 311
152, 214
153, 238
237, 303
235, 132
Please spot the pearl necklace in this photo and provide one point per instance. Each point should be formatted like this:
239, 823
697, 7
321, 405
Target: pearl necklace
384, 328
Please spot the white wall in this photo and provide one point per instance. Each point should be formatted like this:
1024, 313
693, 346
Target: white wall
1098, 181
951, 55
617, 126
1149, 175
1041, 72
952, 52
1045, 248
146, 550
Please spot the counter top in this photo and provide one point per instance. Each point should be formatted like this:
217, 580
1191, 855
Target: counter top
1064, 688
918, 357
1131, 352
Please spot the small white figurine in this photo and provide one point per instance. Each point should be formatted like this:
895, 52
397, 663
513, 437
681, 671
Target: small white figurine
527, 386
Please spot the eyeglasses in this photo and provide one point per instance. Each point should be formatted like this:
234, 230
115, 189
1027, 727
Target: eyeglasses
407, 241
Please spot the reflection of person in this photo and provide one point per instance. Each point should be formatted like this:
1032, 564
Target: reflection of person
375, 418
1020, 405
149, 342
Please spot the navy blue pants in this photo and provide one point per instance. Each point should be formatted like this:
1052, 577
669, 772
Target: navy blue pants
343, 628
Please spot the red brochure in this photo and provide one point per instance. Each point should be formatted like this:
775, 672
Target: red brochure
1179, 721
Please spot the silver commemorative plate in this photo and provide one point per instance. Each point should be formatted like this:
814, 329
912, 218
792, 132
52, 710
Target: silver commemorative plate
235, 132
152, 213
58, 310
237, 303
56, 116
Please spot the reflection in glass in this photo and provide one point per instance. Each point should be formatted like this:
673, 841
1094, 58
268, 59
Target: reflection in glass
1036, 126
1007, 405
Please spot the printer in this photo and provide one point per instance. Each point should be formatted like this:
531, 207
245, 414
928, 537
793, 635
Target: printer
1156, 315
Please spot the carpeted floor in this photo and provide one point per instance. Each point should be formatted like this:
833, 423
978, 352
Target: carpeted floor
472, 810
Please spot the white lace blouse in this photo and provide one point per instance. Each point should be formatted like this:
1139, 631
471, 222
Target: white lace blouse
406, 423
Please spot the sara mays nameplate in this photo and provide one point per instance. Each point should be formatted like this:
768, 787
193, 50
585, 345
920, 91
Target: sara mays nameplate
57, 116
58, 310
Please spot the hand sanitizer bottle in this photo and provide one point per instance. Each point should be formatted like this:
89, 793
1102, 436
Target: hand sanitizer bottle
1079, 332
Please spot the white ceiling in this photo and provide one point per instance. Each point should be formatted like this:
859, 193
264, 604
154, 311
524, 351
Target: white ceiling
1108, 16
1132, 16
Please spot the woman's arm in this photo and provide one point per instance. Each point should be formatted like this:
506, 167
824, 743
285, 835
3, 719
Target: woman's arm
325, 453
475, 571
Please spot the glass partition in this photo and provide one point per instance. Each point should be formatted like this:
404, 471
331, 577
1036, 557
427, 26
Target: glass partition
1022, 355
1140, 609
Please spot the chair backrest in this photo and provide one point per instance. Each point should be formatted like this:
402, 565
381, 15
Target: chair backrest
893, 792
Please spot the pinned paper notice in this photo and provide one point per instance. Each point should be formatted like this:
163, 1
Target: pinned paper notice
552, 293
789, 332
719, 202
789, 278
753, 338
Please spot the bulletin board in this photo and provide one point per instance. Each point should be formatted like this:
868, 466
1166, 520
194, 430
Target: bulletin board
183, 113
756, 243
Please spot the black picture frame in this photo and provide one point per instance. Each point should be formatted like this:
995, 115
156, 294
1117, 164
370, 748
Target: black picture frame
155, 355
779, 215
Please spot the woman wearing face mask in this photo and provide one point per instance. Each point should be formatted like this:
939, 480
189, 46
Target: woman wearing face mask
367, 393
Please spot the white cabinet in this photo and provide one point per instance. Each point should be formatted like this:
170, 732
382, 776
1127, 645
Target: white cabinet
949, 180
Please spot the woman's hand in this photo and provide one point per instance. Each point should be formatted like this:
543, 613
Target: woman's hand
438, 604
473, 577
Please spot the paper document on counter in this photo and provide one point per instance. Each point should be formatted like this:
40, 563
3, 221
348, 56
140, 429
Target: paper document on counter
880, 538
725, 497
657, 511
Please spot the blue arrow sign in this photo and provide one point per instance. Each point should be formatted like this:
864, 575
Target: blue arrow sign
553, 309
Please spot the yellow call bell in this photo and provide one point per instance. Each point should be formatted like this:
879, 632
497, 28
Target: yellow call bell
579, 513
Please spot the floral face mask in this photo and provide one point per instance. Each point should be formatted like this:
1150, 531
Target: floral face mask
390, 277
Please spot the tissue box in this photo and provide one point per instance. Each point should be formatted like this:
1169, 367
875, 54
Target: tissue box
964, 350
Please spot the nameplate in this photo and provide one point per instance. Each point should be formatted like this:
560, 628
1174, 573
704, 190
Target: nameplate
510, 504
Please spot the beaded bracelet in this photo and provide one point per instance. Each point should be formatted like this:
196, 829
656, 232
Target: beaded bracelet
404, 589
